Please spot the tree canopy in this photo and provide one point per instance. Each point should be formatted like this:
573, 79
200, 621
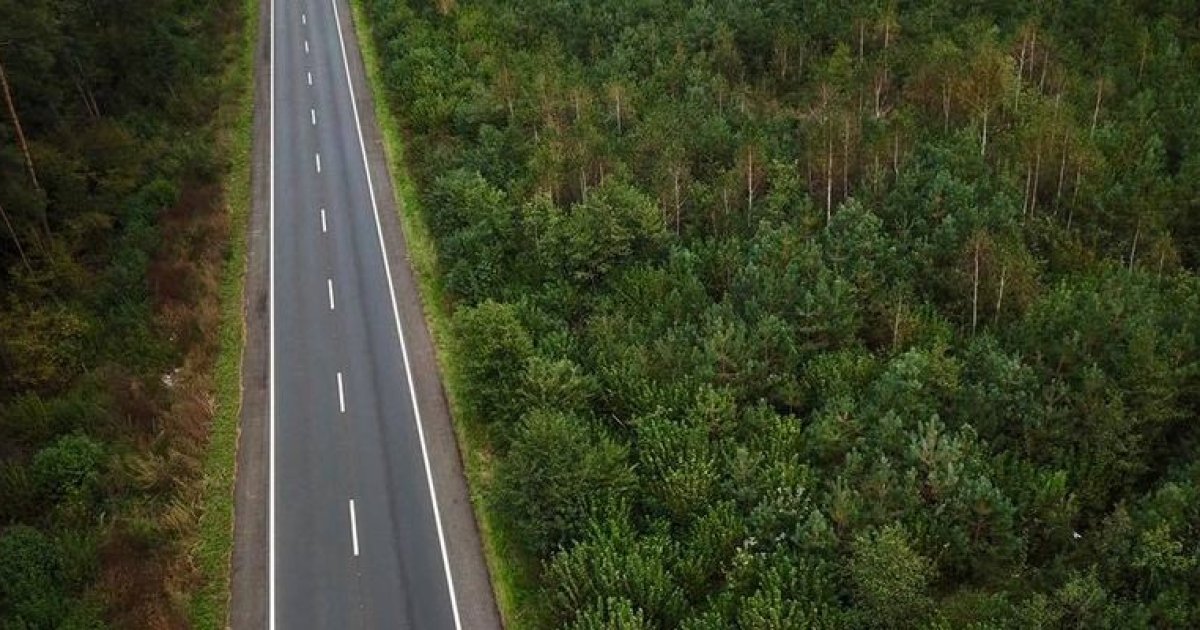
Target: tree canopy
784, 314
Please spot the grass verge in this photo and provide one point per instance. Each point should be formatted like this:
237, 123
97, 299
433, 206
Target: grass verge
511, 572
235, 125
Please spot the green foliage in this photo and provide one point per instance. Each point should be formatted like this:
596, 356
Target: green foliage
891, 580
30, 578
71, 467
888, 313
559, 476
493, 346
112, 224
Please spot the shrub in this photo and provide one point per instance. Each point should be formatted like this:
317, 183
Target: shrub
69, 468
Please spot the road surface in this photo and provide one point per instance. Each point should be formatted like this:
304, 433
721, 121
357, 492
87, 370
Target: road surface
355, 532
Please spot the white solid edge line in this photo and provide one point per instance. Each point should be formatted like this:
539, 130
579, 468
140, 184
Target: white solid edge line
271, 342
329, 281
437, 518
324, 226
353, 528
341, 394
318, 157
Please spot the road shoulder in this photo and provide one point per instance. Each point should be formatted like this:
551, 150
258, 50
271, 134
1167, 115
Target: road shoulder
248, 569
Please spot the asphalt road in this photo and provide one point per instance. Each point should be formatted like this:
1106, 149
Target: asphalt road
355, 534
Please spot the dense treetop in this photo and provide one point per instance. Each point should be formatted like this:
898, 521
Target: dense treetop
786, 315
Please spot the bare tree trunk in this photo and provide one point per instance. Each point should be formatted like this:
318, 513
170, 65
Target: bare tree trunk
750, 180
896, 155
618, 113
17, 241
878, 93
1133, 249
896, 322
1000, 297
678, 205
1037, 173
975, 292
1020, 75
862, 27
829, 179
12, 111
89, 99
1025, 194
887, 39
846, 159
1042, 80
983, 144
946, 106
1062, 171
1142, 60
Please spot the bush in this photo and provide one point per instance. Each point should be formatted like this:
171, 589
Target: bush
492, 349
30, 579
559, 476
890, 580
69, 468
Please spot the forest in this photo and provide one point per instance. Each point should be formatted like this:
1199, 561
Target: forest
113, 239
820, 315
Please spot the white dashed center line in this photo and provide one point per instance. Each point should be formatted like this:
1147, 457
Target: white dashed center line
318, 156
324, 227
304, 18
341, 394
306, 46
310, 78
353, 528
312, 115
329, 283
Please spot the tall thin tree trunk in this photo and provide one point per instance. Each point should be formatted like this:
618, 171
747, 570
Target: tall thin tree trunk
1133, 249
1062, 171
16, 241
1020, 75
983, 144
618, 113
975, 291
829, 178
1025, 193
846, 159
862, 27
896, 155
1037, 173
1096, 110
678, 205
946, 106
12, 111
1042, 80
896, 322
1000, 297
1142, 61
750, 180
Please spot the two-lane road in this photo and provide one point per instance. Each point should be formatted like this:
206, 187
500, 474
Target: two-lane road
356, 539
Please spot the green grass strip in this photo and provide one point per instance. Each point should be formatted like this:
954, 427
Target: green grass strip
235, 129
